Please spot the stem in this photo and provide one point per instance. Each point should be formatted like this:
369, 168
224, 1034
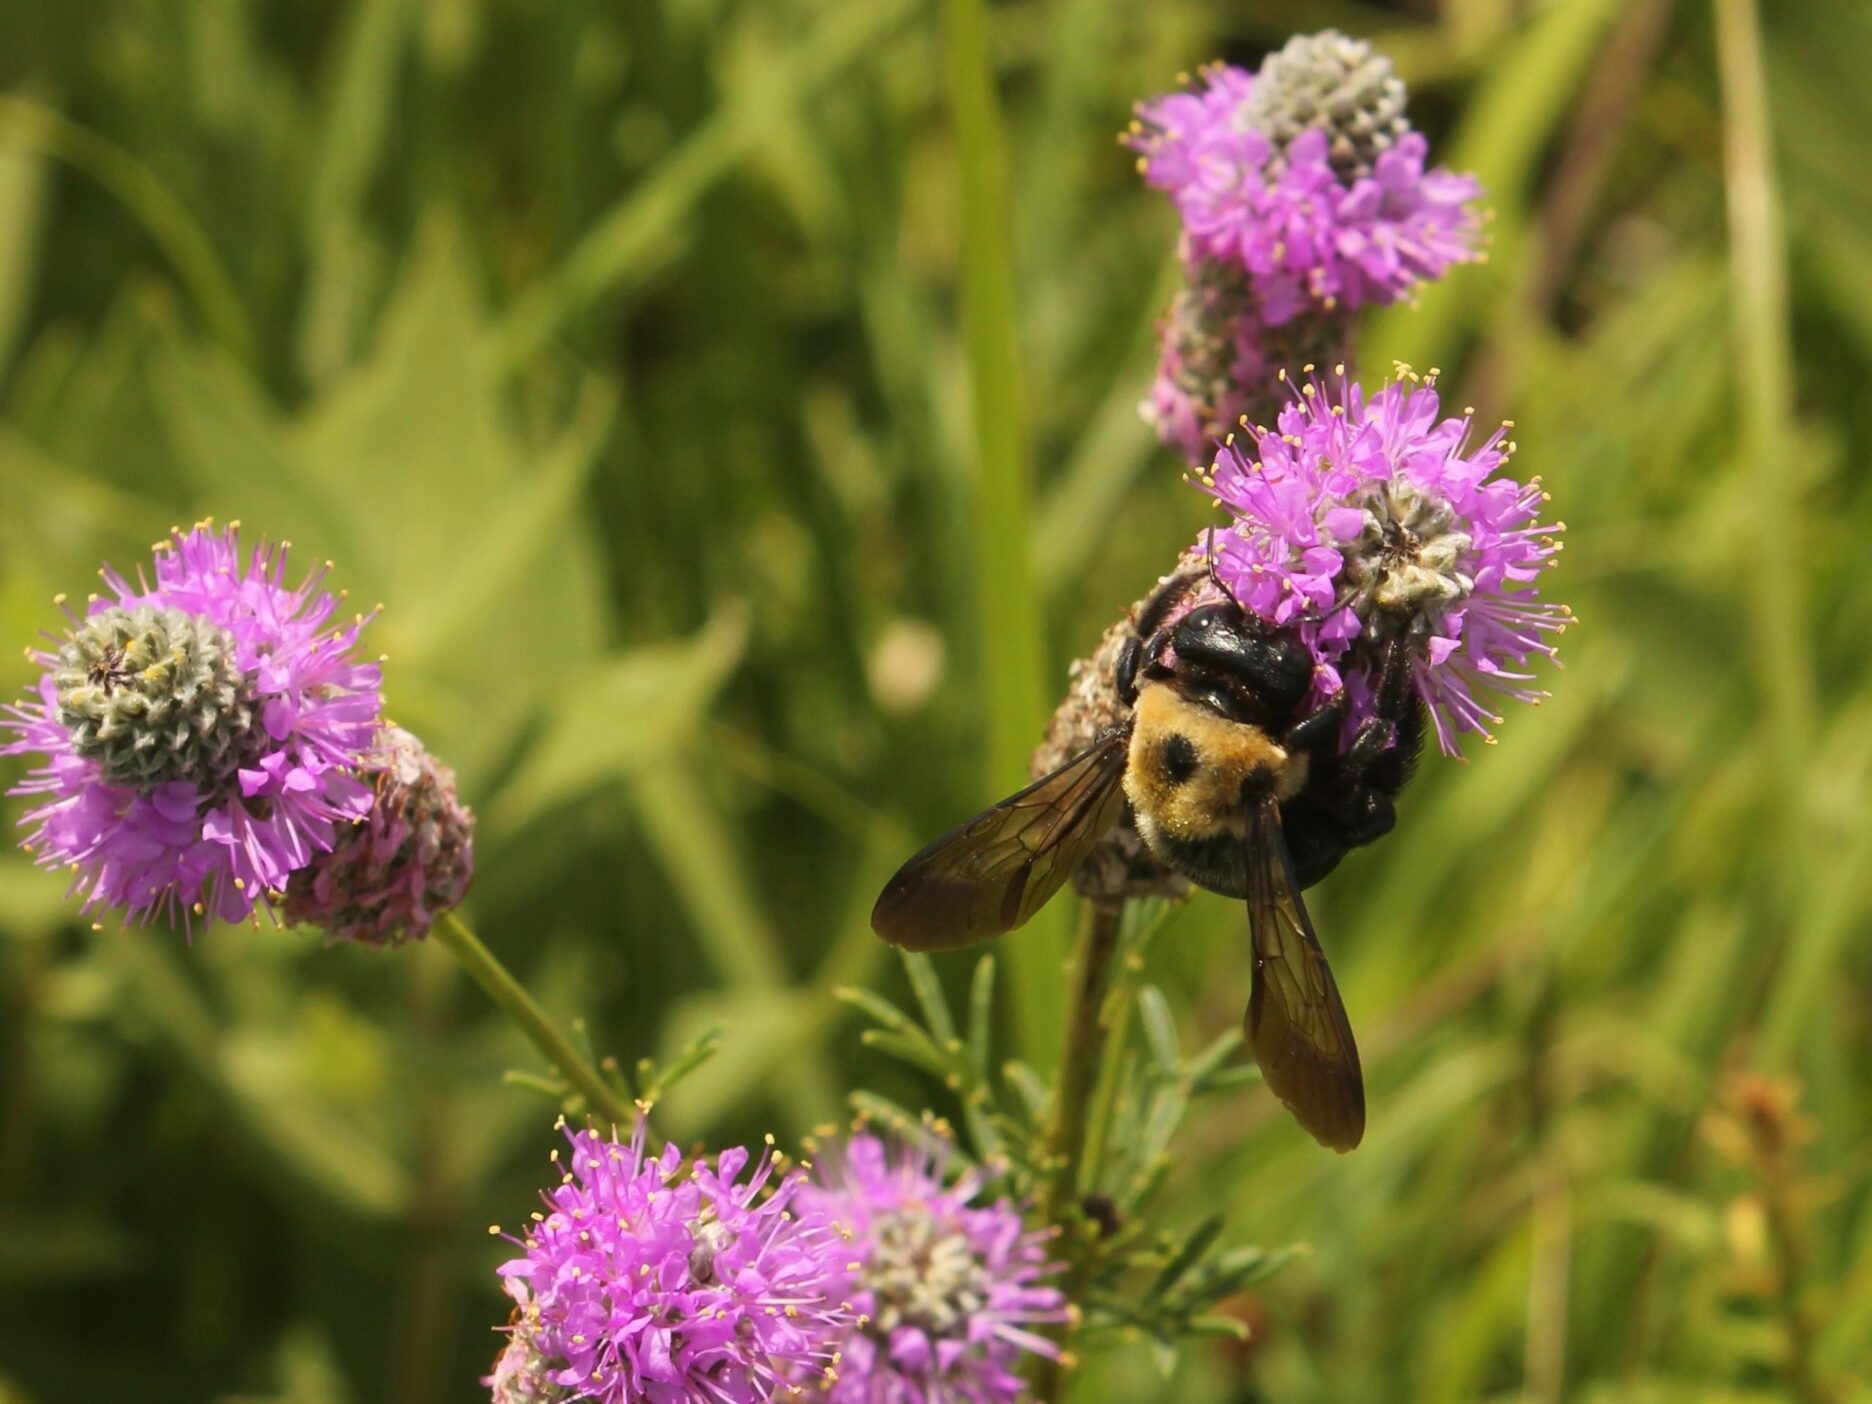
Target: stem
1079, 1057
1777, 556
1064, 1157
524, 1010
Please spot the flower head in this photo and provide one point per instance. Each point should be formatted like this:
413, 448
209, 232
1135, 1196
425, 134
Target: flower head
1357, 522
387, 878
655, 1279
949, 1290
1339, 86
1218, 358
199, 734
1210, 361
1307, 177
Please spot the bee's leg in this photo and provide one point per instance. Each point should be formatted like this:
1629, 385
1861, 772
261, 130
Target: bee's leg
1392, 738
1352, 803
1315, 848
1143, 652
1150, 656
1125, 671
1375, 737
1383, 753
1319, 729
1373, 816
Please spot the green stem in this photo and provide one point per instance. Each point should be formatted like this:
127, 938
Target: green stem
1099, 925
1776, 595
1110, 1079
501, 987
1079, 1057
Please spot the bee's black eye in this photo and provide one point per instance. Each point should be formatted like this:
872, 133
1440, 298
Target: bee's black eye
1178, 758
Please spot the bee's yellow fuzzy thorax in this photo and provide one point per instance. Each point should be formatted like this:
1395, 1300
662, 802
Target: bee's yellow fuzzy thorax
1189, 767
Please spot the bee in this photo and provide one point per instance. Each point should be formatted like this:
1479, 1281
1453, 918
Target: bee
1231, 780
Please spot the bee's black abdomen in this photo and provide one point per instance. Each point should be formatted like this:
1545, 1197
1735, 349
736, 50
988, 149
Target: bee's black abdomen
1214, 862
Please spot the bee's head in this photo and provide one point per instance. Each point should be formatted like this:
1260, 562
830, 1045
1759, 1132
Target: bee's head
1276, 667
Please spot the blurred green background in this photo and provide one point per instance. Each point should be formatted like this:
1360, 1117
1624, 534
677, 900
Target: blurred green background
619, 350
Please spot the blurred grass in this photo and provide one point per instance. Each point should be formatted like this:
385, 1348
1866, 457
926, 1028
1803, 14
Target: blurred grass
1007, 600
733, 404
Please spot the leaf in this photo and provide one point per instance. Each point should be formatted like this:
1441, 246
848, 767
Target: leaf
1160, 1030
929, 993
616, 719
1206, 1066
1192, 1248
22, 206
897, 1033
657, 1081
891, 1115
1035, 1098
695, 847
770, 1050
981, 1016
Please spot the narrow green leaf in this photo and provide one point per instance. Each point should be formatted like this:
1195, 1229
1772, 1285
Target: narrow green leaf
662, 688
22, 203
981, 1016
1008, 612
1028, 1086
886, 1014
929, 993
1207, 1064
1192, 1248
1160, 1030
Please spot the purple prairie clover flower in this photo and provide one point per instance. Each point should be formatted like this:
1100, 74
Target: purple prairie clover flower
199, 734
1307, 177
1210, 361
1217, 358
1357, 521
949, 1291
388, 876
670, 1281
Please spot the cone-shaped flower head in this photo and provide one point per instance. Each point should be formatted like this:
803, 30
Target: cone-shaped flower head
154, 695
1358, 521
389, 877
656, 1279
1341, 87
950, 1292
200, 735
1307, 176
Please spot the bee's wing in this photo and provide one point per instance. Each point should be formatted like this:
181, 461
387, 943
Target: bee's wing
992, 873
1296, 1023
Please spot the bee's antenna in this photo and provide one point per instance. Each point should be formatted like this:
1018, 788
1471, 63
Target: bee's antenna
1215, 576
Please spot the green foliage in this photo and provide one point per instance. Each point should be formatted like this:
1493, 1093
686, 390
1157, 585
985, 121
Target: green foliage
649, 364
